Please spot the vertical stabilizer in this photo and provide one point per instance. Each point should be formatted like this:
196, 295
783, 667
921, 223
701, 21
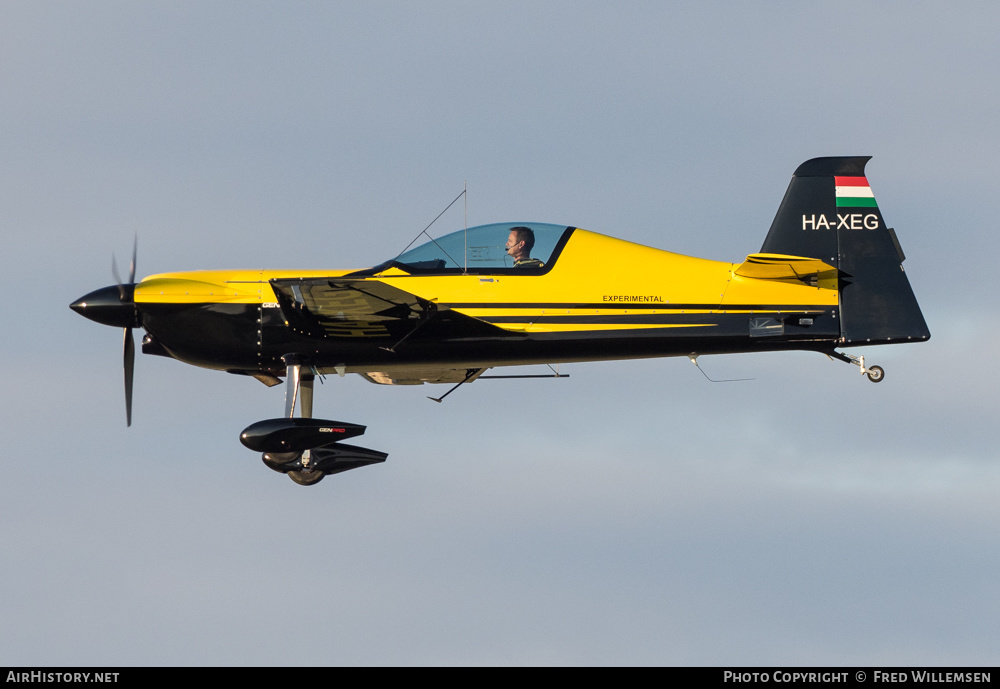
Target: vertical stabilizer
829, 212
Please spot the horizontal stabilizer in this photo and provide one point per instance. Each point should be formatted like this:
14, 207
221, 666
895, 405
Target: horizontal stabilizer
783, 267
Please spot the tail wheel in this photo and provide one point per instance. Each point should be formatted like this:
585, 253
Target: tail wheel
306, 478
875, 374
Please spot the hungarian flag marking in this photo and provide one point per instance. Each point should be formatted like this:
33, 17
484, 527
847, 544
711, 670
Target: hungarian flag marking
854, 192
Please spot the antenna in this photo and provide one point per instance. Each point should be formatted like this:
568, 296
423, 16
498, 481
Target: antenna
693, 356
424, 231
465, 193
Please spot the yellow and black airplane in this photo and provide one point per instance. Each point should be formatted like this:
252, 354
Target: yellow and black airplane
828, 276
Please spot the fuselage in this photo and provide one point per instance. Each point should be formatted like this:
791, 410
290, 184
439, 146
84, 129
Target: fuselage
597, 298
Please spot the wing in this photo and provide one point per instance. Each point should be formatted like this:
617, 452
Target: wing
370, 309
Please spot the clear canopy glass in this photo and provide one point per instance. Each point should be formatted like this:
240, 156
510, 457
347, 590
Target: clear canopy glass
481, 248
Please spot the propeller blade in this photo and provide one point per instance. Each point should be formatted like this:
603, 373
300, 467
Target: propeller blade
118, 278
131, 269
129, 363
125, 291
131, 266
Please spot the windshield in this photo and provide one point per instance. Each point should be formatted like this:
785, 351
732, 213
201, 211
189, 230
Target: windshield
485, 248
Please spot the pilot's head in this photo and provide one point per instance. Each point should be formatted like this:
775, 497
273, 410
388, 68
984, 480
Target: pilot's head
520, 242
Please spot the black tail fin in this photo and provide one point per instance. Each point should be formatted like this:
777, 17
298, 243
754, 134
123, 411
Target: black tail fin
829, 213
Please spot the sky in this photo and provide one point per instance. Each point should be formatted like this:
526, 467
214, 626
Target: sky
632, 514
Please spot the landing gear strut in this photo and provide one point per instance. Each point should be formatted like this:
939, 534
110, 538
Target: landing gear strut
299, 389
875, 373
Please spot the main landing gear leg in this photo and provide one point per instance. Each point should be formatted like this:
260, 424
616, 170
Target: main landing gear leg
875, 373
299, 389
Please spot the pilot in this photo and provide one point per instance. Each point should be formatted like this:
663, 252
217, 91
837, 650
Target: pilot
519, 245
